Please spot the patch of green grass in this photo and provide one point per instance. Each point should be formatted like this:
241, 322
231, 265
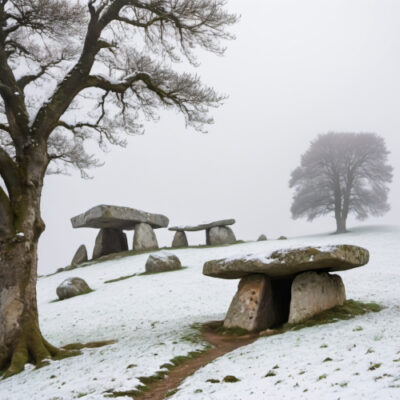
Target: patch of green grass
323, 376
121, 278
323, 346
270, 373
275, 366
350, 309
370, 350
171, 393
82, 294
213, 380
374, 366
162, 272
327, 359
147, 381
358, 328
230, 379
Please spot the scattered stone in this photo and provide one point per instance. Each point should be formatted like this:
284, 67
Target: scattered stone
314, 292
162, 262
282, 238
261, 238
220, 235
125, 218
80, 255
256, 305
287, 263
72, 287
180, 240
205, 225
109, 241
144, 238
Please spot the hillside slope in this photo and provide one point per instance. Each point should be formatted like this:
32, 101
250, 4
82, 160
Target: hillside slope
151, 317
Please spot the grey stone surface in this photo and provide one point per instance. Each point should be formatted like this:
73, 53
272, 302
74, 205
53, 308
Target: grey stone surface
288, 262
162, 262
261, 238
205, 225
106, 216
72, 287
220, 235
258, 304
180, 240
80, 255
144, 238
109, 241
314, 292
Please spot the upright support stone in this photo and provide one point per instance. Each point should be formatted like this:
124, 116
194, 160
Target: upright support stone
220, 235
109, 241
80, 255
180, 239
314, 292
257, 305
144, 238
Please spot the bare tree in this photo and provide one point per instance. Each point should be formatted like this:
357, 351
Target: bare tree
71, 74
342, 173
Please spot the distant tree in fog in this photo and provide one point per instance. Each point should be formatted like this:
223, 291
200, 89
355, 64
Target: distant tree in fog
340, 174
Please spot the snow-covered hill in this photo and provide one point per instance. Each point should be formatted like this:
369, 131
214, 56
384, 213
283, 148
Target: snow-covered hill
151, 317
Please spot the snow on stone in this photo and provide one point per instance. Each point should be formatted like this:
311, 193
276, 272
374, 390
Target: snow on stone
150, 316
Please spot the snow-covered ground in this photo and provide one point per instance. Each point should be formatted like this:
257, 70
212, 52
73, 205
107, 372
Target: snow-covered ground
151, 317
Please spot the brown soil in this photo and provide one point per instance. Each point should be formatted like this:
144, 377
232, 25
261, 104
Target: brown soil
222, 344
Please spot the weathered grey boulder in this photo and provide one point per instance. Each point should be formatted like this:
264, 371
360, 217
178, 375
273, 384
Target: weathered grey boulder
180, 240
80, 255
220, 235
72, 287
109, 241
258, 304
144, 238
162, 262
115, 217
289, 262
204, 225
314, 292
261, 238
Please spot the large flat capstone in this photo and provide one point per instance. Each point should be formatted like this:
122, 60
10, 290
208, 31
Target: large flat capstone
202, 226
115, 217
288, 262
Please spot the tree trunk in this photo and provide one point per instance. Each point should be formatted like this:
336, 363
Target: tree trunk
20, 337
341, 225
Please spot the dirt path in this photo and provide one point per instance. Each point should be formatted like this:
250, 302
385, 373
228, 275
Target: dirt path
222, 345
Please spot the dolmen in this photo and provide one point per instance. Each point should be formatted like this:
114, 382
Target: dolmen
217, 233
113, 220
289, 285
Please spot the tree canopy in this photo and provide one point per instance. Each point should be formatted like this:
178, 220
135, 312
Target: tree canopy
342, 174
72, 74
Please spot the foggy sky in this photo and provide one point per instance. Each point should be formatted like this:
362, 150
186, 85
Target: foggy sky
296, 69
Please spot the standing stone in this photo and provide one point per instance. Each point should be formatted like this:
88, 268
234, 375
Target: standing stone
80, 255
261, 238
314, 292
71, 287
162, 262
180, 239
254, 306
220, 235
144, 238
109, 241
